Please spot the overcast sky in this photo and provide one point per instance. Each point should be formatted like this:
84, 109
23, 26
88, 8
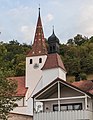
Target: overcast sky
18, 19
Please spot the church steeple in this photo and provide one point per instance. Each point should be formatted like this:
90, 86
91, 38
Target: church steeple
39, 45
53, 43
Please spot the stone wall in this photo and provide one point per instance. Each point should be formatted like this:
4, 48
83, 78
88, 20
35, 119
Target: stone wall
19, 117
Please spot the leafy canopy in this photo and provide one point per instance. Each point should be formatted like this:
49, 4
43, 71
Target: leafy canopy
7, 99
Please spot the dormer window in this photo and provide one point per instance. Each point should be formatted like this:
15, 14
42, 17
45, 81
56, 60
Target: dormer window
40, 60
31, 61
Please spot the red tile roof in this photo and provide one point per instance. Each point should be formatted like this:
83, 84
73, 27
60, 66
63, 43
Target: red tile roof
53, 61
39, 46
21, 90
86, 85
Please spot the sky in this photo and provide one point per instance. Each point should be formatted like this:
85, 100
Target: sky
18, 19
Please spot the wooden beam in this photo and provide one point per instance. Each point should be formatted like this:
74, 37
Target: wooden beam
76, 89
86, 102
58, 96
45, 90
64, 98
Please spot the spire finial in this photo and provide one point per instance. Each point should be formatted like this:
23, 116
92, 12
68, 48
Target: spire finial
53, 29
39, 9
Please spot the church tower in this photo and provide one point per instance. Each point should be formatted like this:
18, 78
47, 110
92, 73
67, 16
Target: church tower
36, 58
53, 43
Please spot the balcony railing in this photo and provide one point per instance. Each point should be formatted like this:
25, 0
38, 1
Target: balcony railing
64, 115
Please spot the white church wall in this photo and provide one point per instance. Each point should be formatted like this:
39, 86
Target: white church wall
49, 75
38, 86
62, 74
33, 75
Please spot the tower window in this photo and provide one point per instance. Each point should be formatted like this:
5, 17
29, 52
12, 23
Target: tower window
31, 61
40, 60
50, 49
53, 48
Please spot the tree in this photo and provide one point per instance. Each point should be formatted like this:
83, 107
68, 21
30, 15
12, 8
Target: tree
70, 42
7, 99
79, 40
83, 76
91, 39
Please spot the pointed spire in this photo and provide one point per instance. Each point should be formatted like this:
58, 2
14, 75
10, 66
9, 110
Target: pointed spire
39, 45
39, 10
53, 29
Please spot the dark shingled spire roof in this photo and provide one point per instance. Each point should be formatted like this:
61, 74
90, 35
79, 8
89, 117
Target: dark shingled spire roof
53, 37
39, 45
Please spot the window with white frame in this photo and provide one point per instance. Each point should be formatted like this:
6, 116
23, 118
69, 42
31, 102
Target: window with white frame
65, 107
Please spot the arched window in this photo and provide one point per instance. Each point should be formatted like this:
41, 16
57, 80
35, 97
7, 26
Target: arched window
40, 60
31, 61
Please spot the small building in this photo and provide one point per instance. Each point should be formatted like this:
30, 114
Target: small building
64, 101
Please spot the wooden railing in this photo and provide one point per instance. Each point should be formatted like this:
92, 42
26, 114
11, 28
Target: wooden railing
64, 115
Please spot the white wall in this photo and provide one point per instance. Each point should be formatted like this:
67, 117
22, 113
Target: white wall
32, 78
51, 74
48, 76
33, 75
20, 102
62, 74
25, 110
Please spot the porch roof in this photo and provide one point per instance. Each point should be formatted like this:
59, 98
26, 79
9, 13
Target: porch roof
64, 82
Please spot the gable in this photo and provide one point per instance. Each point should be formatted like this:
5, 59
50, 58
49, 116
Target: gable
50, 91
66, 90
69, 92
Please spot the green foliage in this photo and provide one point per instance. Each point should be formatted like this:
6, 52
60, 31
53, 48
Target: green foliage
77, 40
12, 57
7, 99
70, 42
83, 76
77, 55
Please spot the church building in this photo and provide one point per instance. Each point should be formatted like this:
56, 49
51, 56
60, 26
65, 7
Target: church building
44, 90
